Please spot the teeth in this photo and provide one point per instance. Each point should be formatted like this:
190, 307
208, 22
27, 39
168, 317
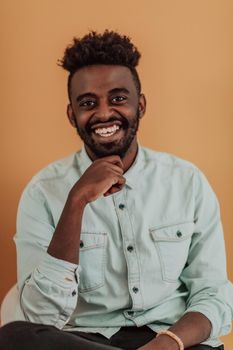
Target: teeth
107, 135
106, 132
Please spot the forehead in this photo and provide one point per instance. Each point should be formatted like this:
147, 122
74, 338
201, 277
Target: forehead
100, 79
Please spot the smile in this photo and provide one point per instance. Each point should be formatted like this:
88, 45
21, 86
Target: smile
108, 131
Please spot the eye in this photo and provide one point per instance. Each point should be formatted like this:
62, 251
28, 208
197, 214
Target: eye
118, 99
87, 103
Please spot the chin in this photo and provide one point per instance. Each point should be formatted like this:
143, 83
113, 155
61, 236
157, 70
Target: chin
104, 152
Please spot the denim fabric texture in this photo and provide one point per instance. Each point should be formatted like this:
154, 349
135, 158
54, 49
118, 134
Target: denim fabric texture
148, 253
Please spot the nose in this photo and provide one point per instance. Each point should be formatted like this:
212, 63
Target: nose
104, 112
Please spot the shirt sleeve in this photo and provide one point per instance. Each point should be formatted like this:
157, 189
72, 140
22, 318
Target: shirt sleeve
48, 286
210, 292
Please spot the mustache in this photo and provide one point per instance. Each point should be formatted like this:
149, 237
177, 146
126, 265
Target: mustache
124, 123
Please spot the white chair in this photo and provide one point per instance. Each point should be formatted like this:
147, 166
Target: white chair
9, 306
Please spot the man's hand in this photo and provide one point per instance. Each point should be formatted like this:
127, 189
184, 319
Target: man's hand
192, 328
103, 177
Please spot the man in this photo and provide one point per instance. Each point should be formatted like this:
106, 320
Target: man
118, 246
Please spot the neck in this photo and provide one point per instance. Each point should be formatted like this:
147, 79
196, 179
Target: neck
130, 156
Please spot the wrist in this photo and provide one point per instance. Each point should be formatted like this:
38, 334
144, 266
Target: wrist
169, 341
77, 200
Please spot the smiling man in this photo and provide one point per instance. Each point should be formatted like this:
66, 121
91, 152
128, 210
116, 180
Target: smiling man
112, 90
118, 246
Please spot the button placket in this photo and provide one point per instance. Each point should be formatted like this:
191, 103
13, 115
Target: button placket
123, 209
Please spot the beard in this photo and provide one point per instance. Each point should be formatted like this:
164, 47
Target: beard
119, 147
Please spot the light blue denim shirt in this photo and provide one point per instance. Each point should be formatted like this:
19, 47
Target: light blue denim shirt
148, 254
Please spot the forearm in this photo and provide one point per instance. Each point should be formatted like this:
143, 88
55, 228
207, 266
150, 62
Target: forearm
66, 239
193, 328
103, 177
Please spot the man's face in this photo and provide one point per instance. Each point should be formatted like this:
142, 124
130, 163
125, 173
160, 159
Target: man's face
105, 109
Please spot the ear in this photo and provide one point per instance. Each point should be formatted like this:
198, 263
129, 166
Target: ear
142, 105
70, 115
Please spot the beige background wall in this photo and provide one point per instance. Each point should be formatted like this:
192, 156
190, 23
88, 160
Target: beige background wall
187, 76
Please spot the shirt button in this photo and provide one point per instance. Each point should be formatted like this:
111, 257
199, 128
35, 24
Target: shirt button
179, 234
74, 293
130, 313
121, 206
135, 290
81, 244
130, 248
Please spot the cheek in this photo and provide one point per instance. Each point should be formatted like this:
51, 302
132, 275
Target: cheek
128, 111
132, 112
82, 120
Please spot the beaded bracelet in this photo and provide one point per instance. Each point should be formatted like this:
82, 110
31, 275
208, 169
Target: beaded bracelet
173, 336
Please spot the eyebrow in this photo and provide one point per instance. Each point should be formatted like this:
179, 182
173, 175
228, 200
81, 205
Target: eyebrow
113, 91
87, 94
118, 90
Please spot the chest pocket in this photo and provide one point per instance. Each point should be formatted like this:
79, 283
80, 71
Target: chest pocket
172, 244
92, 261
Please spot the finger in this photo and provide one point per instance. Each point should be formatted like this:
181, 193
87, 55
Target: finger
118, 180
115, 168
121, 181
113, 159
111, 171
116, 187
112, 190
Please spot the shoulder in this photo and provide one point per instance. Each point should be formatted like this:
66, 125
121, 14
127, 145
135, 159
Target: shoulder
60, 171
167, 160
177, 171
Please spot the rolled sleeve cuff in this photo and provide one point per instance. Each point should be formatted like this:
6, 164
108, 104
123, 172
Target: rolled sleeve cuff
59, 271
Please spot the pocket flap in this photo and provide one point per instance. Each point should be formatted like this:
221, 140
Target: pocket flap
92, 240
174, 233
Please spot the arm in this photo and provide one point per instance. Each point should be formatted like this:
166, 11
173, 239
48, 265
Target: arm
209, 307
192, 328
48, 256
102, 176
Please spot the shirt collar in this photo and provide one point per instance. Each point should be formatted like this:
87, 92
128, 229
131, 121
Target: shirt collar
131, 175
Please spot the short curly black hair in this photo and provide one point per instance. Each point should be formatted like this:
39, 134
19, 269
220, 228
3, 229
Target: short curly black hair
107, 48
